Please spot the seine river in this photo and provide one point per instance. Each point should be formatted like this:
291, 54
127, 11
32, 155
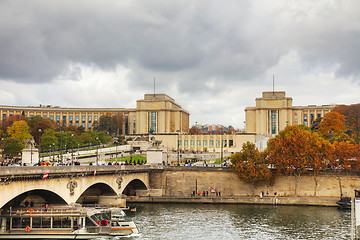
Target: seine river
207, 221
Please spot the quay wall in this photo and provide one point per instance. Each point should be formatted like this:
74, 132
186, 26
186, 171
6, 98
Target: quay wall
182, 181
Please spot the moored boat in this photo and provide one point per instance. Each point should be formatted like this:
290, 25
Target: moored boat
344, 202
65, 223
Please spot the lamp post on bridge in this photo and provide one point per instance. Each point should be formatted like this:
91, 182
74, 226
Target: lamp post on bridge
178, 153
39, 130
72, 149
61, 148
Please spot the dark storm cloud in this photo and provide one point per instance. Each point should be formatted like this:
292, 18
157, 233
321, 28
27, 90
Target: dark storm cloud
196, 46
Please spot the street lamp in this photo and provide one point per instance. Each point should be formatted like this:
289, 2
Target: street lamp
97, 151
116, 153
178, 153
61, 152
50, 151
39, 130
72, 149
53, 153
78, 151
65, 153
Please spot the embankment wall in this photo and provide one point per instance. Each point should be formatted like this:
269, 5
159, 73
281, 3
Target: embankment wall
183, 181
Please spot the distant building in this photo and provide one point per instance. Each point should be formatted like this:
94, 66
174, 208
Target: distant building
274, 111
156, 113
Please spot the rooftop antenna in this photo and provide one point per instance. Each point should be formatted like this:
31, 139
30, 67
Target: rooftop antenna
273, 83
154, 86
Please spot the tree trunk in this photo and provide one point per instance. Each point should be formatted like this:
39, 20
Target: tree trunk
316, 184
339, 179
253, 189
297, 178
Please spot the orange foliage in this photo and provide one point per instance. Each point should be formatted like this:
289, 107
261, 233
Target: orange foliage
332, 123
250, 165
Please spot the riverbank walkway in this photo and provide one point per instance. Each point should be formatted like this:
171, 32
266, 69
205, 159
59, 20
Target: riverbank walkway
304, 201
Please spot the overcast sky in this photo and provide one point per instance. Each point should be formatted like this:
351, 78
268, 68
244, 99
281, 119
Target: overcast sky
213, 57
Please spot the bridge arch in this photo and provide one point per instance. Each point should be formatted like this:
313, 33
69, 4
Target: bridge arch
35, 198
133, 186
92, 193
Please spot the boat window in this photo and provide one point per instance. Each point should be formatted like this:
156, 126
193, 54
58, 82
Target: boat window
45, 222
36, 222
88, 222
15, 223
20, 222
61, 222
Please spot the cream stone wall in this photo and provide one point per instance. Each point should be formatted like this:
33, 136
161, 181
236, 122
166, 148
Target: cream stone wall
183, 183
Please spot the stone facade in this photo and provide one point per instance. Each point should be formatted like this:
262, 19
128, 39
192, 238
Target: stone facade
274, 111
157, 113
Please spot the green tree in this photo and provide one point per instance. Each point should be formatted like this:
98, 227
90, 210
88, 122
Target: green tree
107, 125
250, 165
12, 146
103, 137
49, 139
19, 130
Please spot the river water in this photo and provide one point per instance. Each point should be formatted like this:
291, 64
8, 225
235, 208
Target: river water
234, 221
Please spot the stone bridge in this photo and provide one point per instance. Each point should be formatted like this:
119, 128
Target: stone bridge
25, 186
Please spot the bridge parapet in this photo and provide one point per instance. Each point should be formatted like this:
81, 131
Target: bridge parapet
20, 171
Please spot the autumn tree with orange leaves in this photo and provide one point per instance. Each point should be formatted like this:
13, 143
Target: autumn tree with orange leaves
352, 119
344, 156
250, 165
332, 123
295, 151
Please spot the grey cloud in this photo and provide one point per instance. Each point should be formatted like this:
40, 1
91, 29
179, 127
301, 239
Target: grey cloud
190, 44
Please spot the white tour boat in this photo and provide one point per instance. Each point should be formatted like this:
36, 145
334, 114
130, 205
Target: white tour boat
65, 223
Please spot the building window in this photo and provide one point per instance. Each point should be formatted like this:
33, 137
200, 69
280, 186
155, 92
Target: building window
57, 117
83, 118
64, 120
224, 143
152, 122
199, 143
296, 119
305, 120
180, 143
77, 124
31, 115
273, 122
211, 143
186, 143
96, 118
126, 125
231, 143
319, 115
89, 118
4, 117
312, 118
45, 116
77, 118
205, 143
51, 117
70, 118
83, 125
89, 124
217, 143
192, 142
